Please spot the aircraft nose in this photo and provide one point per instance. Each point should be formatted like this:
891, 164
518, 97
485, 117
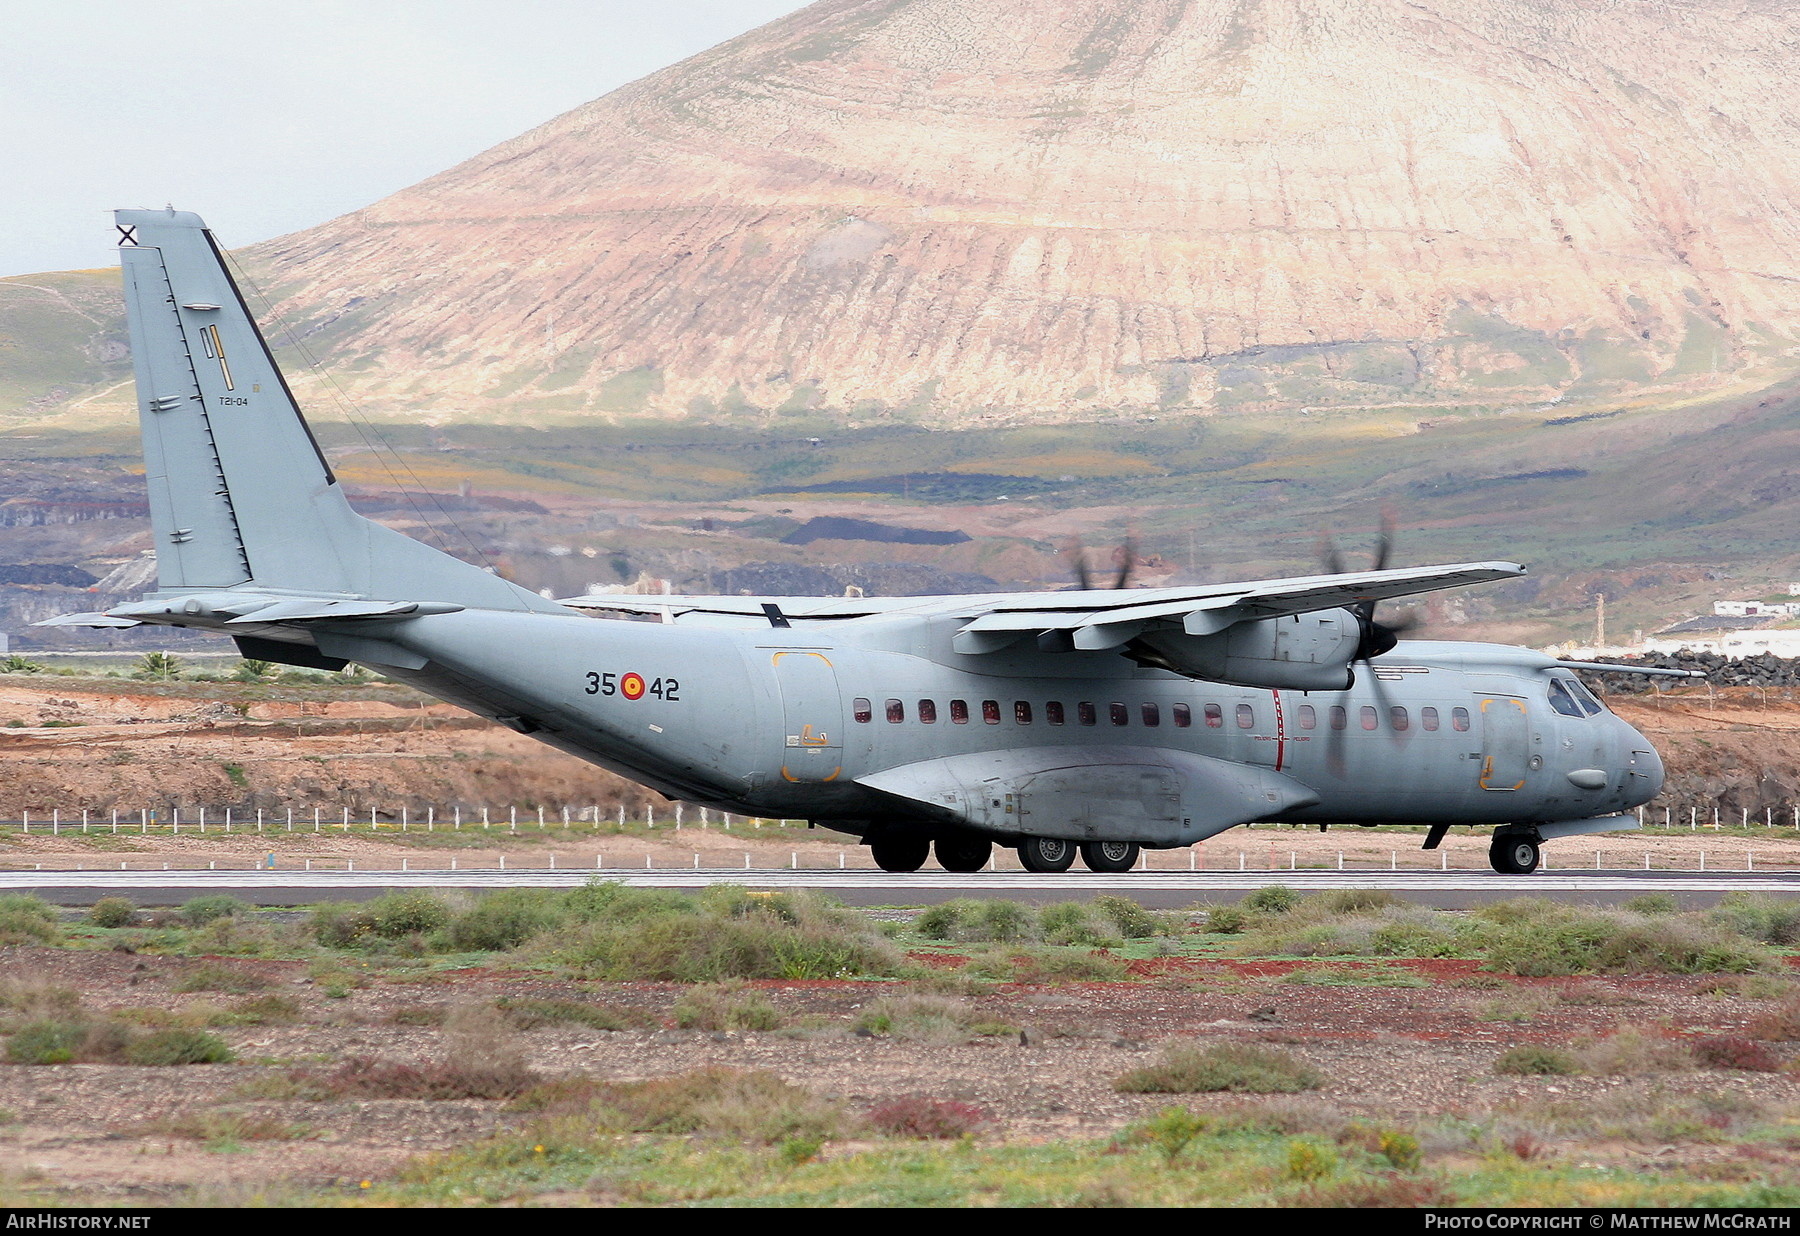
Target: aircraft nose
1644, 768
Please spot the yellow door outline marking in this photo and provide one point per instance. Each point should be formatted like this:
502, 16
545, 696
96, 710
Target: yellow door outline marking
788, 776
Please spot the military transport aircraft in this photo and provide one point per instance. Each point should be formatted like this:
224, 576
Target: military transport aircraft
1095, 721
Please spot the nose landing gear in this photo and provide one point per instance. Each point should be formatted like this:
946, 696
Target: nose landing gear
1514, 854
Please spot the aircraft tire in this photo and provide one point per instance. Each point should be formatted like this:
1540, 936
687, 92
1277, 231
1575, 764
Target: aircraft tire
903, 853
963, 853
1514, 855
1046, 855
1109, 856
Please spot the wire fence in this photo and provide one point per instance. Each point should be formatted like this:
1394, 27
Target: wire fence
593, 817
345, 819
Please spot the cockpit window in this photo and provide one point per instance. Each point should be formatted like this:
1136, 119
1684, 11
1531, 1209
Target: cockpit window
1562, 701
1585, 698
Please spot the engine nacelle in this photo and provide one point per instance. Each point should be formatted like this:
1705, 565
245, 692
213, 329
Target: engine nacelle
1299, 652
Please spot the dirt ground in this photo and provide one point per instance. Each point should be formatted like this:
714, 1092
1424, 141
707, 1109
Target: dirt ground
1390, 1054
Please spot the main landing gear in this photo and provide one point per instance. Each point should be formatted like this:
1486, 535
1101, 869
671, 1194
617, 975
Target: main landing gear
1053, 854
908, 852
902, 852
1514, 854
1044, 855
1109, 855
963, 853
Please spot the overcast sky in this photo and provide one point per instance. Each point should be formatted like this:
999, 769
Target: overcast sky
267, 116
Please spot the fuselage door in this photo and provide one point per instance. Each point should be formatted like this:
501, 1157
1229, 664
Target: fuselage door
1505, 743
812, 732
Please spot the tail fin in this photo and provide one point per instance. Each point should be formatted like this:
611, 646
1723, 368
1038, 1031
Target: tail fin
239, 491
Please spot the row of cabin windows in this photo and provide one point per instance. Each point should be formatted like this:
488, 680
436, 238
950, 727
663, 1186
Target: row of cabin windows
1088, 713
1367, 716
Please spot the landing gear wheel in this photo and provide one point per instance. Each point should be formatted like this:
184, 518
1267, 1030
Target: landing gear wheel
900, 853
963, 853
1046, 854
1514, 855
1109, 855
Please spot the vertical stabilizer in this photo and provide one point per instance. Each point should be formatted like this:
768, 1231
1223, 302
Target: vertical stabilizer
239, 491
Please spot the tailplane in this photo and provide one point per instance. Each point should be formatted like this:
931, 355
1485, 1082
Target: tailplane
240, 493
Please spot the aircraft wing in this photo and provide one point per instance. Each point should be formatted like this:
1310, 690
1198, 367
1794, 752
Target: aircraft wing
1097, 618
1112, 618
674, 605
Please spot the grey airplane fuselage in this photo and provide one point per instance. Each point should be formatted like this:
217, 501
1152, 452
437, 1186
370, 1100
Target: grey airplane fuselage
784, 721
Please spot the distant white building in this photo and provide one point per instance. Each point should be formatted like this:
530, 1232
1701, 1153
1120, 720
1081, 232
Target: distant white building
1730, 635
1754, 609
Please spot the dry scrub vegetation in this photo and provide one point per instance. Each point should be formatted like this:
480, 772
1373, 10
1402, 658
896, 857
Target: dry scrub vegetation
610, 1045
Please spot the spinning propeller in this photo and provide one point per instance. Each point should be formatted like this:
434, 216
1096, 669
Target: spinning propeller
1124, 557
1378, 637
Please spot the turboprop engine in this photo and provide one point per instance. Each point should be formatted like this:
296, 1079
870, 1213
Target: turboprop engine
1300, 652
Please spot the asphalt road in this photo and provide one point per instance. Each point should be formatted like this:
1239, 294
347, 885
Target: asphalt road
1168, 890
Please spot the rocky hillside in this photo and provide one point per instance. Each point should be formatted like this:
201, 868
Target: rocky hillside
953, 210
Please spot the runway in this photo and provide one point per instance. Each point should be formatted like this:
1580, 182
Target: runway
1164, 890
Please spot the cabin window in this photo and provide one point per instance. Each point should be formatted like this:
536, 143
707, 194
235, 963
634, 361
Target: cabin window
1246, 716
1184, 716
928, 711
1428, 718
1562, 701
1308, 717
1585, 698
1459, 718
1398, 719
990, 711
1053, 713
1369, 717
862, 710
1118, 714
1086, 713
1152, 714
896, 711
959, 712
1021, 712
1215, 716
1339, 718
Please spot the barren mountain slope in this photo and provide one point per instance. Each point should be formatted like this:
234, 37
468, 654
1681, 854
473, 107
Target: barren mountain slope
947, 208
